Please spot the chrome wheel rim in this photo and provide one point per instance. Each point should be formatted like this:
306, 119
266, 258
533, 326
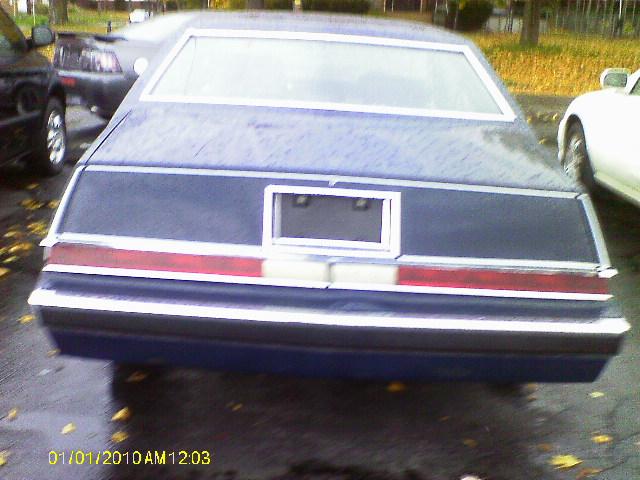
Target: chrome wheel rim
574, 157
56, 139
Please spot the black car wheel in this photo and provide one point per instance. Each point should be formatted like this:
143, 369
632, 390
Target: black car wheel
576, 161
48, 157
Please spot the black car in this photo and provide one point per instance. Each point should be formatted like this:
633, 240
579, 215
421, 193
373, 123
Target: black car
334, 196
98, 70
32, 100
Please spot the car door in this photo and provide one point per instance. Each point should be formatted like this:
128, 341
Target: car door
23, 90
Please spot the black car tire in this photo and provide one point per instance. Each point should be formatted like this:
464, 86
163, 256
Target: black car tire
576, 162
51, 143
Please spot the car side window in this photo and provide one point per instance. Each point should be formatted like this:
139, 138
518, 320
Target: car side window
636, 88
11, 39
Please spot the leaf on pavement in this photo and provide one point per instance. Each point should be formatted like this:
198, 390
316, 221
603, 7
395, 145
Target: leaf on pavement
121, 415
4, 271
470, 442
38, 228
596, 394
136, 377
587, 472
562, 462
20, 247
53, 353
68, 428
13, 413
545, 447
444, 419
13, 234
32, 186
601, 438
395, 387
53, 204
11, 259
24, 319
236, 407
4, 455
31, 204
119, 436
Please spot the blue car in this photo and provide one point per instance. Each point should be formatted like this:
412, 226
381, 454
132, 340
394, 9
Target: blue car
328, 196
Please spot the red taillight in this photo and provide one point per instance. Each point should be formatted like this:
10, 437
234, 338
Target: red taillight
68, 81
66, 254
501, 280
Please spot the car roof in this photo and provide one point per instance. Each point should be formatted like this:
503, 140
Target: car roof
324, 23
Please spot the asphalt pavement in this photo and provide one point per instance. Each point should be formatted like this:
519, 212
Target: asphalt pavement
261, 427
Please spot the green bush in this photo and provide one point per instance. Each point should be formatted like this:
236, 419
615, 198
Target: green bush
343, 6
278, 4
472, 14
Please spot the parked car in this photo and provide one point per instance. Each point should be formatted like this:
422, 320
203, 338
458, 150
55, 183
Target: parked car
335, 196
598, 139
98, 70
139, 15
32, 100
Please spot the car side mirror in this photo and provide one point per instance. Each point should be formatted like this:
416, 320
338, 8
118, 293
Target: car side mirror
614, 78
41, 36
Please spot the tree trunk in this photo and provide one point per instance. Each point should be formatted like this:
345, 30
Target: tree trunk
530, 24
58, 12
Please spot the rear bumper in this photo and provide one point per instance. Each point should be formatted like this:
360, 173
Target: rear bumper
100, 92
327, 343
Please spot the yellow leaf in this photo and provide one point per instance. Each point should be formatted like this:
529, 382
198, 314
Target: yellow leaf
68, 428
121, 415
32, 186
565, 461
11, 259
20, 247
395, 387
236, 407
24, 319
596, 394
136, 377
4, 271
31, 204
4, 455
38, 228
13, 413
587, 472
545, 447
53, 353
470, 442
53, 204
119, 436
444, 419
601, 438
13, 234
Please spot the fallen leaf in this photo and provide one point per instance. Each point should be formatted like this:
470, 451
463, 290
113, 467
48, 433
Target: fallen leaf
4, 455
470, 442
531, 387
119, 436
121, 415
31, 204
596, 394
587, 472
11, 259
32, 186
53, 204
13, 234
136, 377
68, 428
545, 447
13, 413
38, 228
20, 247
531, 398
543, 141
395, 387
236, 407
24, 319
444, 419
4, 271
53, 353
565, 461
601, 438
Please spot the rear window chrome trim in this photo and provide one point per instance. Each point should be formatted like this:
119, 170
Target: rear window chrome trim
507, 115
43, 298
388, 247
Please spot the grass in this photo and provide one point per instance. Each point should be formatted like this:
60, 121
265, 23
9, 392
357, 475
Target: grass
80, 20
563, 64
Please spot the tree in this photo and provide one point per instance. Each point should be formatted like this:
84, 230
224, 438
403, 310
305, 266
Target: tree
530, 24
58, 12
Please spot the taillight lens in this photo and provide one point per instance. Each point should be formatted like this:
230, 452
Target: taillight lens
82, 255
101, 61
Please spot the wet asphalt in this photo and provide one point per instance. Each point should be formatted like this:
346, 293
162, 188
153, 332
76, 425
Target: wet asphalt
268, 427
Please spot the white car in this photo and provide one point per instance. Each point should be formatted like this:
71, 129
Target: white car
599, 139
139, 15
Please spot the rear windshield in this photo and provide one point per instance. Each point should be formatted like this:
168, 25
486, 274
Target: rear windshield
316, 73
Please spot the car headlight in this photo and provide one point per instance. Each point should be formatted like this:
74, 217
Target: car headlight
99, 61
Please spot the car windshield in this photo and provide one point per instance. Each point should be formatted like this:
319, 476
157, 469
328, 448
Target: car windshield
335, 74
11, 40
